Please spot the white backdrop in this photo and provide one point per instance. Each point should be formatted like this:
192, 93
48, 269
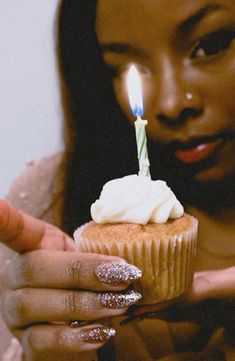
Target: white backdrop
30, 112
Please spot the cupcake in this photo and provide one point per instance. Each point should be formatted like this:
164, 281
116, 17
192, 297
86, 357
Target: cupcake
141, 221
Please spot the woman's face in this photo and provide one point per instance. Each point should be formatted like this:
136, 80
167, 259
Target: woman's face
185, 53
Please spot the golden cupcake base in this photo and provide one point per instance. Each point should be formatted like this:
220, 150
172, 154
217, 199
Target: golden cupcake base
164, 253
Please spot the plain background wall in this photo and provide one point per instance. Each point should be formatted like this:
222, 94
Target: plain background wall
30, 112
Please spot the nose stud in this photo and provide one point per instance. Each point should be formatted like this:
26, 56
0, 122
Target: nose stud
189, 96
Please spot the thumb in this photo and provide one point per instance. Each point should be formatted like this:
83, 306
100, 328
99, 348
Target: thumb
219, 284
23, 233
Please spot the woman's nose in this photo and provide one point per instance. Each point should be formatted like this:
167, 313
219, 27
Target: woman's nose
176, 100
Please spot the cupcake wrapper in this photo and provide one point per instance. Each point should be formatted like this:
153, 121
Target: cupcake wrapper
166, 263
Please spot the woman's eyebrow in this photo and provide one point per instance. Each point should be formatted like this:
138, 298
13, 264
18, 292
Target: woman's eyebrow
188, 25
121, 48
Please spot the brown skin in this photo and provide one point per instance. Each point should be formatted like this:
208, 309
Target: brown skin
169, 72
44, 276
175, 59
34, 280
180, 47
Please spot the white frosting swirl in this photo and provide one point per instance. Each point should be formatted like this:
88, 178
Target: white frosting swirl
136, 199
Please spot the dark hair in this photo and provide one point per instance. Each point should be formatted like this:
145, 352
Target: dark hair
101, 143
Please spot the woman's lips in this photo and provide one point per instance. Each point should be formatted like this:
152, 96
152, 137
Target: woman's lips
198, 152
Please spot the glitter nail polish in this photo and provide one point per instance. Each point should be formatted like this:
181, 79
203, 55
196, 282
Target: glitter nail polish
97, 334
117, 272
119, 299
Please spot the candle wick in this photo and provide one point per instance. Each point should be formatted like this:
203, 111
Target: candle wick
138, 113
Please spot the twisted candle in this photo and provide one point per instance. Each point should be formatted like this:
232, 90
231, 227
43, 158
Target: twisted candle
141, 141
136, 103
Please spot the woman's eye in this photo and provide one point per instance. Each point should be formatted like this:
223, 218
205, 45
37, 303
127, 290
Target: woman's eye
213, 44
119, 71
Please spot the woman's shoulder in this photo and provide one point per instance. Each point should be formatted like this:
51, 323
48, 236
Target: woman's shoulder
38, 187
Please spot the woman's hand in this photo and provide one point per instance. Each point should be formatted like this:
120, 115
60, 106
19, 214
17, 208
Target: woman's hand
219, 284
46, 291
23, 233
209, 301
212, 297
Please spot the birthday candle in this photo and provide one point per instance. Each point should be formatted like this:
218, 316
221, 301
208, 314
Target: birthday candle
136, 104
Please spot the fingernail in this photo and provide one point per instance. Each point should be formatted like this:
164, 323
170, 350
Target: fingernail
119, 299
97, 334
117, 272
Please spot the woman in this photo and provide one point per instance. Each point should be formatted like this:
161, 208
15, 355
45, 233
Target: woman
185, 52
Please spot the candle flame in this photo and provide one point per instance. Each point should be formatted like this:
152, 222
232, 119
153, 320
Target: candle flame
135, 91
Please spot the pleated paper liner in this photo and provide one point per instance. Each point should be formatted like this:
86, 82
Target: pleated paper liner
166, 262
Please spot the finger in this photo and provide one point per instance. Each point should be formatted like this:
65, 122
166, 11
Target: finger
51, 342
23, 233
219, 284
29, 306
68, 270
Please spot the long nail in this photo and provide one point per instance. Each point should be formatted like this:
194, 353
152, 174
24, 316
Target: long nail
97, 334
119, 299
117, 272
